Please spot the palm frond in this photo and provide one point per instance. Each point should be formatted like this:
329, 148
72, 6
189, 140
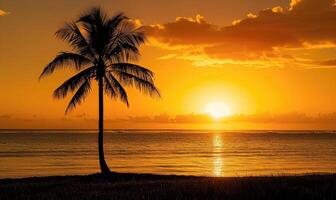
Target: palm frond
115, 89
70, 33
123, 53
65, 59
144, 85
123, 46
93, 16
94, 22
74, 82
134, 37
133, 69
107, 44
114, 22
79, 96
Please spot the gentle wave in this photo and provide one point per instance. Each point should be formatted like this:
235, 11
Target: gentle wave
184, 152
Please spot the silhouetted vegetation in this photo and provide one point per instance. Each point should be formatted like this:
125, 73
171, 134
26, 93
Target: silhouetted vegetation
102, 49
144, 186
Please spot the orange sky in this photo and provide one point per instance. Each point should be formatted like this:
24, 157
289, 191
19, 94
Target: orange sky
271, 62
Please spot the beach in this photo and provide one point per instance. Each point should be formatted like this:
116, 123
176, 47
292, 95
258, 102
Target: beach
168, 164
147, 186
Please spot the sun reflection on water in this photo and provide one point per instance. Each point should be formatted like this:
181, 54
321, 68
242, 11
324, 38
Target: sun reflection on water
217, 157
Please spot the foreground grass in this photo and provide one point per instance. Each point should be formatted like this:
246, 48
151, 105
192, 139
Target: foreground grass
145, 186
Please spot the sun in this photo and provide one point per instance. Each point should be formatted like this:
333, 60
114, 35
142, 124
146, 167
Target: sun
217, 110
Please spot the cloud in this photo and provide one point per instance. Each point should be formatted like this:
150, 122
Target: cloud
262, 36
284, 118
183, 121
4, 116
260, 118
331, 62
163, 118
3, 13
82, 115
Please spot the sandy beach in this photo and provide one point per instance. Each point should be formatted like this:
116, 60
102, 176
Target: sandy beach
147, 186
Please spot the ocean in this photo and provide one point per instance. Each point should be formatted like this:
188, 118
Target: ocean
26, 153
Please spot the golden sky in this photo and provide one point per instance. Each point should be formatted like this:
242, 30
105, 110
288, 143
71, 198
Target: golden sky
266, 64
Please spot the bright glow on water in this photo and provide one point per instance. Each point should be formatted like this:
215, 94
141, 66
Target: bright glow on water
217, 148
206, 153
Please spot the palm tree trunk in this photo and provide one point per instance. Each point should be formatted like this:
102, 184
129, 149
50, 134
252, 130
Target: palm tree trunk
103, 166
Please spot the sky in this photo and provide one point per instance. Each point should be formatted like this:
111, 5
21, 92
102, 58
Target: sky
263, 64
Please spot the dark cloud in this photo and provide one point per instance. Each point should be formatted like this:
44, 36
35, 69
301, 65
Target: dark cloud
163, 118
282, 118
328, 62
4, 116
286, 118
304, 23
263, 120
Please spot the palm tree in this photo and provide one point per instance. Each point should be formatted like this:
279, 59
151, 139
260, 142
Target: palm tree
102, 48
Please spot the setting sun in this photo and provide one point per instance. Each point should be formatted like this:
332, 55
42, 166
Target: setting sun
217, 110
180, 99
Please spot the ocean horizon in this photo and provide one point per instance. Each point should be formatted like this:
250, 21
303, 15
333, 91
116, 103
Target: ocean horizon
42, 152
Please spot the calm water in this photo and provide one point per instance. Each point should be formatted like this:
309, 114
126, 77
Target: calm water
208, 153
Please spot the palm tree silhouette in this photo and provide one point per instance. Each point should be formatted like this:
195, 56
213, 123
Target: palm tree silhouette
102, 48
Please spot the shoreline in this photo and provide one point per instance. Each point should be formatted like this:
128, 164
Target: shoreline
151, 186
165, 176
